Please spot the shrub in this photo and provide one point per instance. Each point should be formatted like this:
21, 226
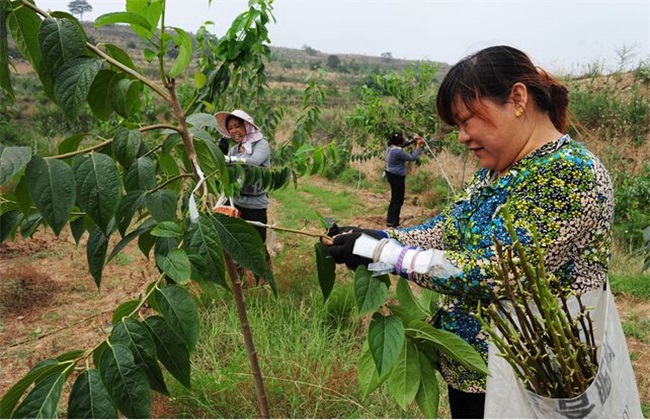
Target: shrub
632, 209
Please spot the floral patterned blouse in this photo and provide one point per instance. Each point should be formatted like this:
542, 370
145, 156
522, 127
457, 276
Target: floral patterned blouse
561, 188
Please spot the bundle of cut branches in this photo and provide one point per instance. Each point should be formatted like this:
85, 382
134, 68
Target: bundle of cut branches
551, 350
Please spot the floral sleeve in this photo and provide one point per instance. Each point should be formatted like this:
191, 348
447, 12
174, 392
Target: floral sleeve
565, 194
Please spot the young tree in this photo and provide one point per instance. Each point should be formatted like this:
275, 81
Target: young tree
79, 7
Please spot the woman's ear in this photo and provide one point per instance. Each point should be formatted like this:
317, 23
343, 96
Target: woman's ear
519, 94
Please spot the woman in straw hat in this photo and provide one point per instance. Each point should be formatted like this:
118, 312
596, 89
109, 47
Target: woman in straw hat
251, 148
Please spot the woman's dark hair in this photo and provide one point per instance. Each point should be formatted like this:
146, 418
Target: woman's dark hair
491, 73
395, 139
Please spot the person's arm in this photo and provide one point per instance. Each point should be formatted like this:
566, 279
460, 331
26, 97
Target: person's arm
261, 152
568, 208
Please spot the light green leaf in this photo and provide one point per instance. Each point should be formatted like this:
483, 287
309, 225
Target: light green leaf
12, 160
71, 143
150, 10
404, 379
452, 345
73, 82
367, 374
51, 185
125, 382
200, 80
326, 268
184, 44
123, 17
172, 350
386, 339
369, 292
89, 398
176, 265
428, 396
180, 313
407, 300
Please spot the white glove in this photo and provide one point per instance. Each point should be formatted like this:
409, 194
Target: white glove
234, 159
390, 255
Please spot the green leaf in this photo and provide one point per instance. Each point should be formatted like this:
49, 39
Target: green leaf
71, 143
175, 265
144, 229
5, 75
141, 175
162, 205
184, 44
24, 25
241, 241
12, 160
44, 369
150, 10
428, 396
404, 379
199, 80
61, 41
172, 350
124, 310
120, 55
367, 374
407, 300
42, 401
130, 204
203, 238
386, 339
326, 268
126, 144
125, 97
137, 338
8, 223
96, 253
73, 82
99, 188
89, 398
369, 292
125, 382
180, 312
101, 93
51, 185
167, 230
452, 345
202, 120
123, 17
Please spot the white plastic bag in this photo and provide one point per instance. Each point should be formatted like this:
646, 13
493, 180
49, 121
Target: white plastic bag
613, 394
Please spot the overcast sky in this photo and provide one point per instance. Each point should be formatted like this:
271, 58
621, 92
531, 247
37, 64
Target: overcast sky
562, 36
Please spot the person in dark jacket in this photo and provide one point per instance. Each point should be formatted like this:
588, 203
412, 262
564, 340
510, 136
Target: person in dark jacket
396, 158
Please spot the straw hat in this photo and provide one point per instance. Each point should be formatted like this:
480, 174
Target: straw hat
222, 117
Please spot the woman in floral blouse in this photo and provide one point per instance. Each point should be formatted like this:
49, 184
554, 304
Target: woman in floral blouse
512, 116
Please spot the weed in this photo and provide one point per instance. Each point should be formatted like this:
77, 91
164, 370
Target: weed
24, 287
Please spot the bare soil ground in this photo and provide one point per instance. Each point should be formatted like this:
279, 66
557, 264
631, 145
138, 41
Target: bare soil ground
49, 303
